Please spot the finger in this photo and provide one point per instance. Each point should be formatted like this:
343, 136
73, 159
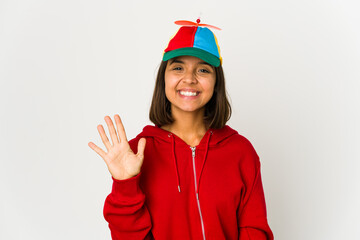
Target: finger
112, 131
97, 149
120, 128
141, 147
103, 136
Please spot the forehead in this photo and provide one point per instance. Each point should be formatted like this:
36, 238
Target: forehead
187, 60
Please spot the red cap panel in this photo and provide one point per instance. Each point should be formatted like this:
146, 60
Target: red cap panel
183, 38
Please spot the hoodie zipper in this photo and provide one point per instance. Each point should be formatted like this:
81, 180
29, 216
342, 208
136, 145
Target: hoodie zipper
196, 192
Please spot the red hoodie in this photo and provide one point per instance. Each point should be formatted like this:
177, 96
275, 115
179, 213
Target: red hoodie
211, 191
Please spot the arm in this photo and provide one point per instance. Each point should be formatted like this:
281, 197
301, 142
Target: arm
124, 208
126, 212
252, 219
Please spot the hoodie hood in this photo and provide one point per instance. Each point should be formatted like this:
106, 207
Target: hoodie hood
211, 138
217, 135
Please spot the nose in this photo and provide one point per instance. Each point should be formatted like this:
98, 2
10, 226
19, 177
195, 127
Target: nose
190, 77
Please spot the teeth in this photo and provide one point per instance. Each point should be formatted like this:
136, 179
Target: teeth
188, 94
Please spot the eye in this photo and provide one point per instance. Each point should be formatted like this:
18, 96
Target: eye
177, 68
203, 70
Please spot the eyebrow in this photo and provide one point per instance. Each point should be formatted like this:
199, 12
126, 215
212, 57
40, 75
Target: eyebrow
176, 60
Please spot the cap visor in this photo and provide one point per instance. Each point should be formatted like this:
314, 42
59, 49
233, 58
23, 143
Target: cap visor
195, 52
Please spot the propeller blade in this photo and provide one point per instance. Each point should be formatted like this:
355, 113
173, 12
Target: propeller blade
210, 26
185, 23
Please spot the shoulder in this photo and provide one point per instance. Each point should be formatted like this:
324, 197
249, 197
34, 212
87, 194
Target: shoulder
149, 132
134, 141
231, 138
239, 146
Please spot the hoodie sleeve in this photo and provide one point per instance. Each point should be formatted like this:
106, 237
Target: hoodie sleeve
126, 212
252, 219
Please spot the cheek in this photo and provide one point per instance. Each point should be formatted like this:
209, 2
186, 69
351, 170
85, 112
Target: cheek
169, 86
167, 93
210, 86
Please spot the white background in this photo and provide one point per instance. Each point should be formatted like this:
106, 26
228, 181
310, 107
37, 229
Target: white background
292, 71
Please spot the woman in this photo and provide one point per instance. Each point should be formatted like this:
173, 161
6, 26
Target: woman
196, 178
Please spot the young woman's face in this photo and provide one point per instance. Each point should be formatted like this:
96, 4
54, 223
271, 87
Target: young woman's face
189, 83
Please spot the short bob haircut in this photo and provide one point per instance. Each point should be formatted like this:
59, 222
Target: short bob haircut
217, 110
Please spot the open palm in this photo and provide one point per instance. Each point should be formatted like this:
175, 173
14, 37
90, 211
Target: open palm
119, 158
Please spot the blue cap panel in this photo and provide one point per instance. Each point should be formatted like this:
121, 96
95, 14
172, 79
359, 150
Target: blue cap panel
204, 39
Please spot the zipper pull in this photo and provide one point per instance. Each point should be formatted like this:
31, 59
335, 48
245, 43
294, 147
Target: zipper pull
193, 151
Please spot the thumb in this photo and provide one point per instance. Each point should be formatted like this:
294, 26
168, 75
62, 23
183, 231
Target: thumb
141, 147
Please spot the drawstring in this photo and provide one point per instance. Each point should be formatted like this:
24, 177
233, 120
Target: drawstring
174, 158
203, 162
175, 164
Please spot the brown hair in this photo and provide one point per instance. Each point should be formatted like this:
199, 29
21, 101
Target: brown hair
217, 110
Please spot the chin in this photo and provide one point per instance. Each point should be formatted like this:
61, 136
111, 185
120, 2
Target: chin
189, 108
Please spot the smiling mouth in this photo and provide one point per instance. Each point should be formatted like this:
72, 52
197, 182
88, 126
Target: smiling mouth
188, 93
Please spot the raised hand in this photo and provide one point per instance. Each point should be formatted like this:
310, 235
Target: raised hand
119, 158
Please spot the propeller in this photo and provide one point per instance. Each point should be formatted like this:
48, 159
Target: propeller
197, 23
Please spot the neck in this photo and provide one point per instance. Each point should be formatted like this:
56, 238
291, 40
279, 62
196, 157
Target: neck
189, 126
